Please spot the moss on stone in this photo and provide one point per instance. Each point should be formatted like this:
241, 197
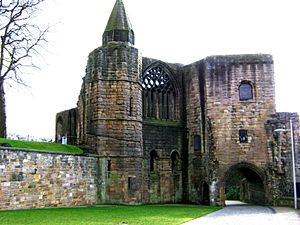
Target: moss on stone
160, 122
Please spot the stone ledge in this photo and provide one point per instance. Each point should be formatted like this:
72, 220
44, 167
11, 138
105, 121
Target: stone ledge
39, 151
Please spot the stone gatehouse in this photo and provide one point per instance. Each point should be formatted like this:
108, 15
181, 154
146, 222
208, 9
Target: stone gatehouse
169, 132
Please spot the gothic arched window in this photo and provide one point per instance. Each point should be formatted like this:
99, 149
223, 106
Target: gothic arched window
159, 97
245, 91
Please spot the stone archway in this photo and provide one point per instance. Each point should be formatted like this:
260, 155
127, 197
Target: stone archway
205, 193
245, 182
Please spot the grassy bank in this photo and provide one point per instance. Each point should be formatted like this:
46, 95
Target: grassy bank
46, 146
108, 215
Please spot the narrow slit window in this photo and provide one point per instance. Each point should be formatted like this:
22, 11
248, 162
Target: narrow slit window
130, 183
197, 143
130, 106
108, 168
108, 165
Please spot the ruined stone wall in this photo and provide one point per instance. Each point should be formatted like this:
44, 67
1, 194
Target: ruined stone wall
227, 114
66, 126
163, 183
198, 157
30, 179
280, 146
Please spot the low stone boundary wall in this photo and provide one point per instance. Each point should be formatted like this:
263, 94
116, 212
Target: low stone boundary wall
36, 179
287, 201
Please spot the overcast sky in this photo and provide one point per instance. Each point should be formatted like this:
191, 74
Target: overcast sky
175, 31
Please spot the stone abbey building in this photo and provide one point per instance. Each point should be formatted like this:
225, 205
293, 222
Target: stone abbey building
168, 132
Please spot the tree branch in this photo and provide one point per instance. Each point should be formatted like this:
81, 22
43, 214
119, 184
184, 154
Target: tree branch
21, 40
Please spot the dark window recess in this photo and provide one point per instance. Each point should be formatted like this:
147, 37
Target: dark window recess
245, 91
17, 177
108, 168
117, 36
130, 106
131, 184
197, 143
109, 165
153, 161
243, 136
175, 162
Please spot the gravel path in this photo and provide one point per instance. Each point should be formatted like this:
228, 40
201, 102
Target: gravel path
250, 215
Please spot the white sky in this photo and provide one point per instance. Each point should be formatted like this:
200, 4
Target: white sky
171, 30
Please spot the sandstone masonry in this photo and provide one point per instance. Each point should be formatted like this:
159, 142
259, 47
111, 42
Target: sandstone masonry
181, 133
31, 179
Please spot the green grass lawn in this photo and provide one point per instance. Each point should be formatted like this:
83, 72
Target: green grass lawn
108, 215
47, 146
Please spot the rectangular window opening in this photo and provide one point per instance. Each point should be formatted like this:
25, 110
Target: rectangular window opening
131, 185
243, 136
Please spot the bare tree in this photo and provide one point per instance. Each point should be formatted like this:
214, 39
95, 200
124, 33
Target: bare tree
21, 40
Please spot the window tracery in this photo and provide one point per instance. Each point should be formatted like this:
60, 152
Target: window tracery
159, 96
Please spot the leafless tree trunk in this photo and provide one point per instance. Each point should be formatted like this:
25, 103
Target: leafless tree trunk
21, 40
2, 111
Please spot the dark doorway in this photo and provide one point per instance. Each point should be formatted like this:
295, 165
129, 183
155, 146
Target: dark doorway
244, 182
205, 193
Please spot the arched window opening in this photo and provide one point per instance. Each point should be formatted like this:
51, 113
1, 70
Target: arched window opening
159, 96
205, 193
153, 161
197, 143
245, 91
59, 130
175, 164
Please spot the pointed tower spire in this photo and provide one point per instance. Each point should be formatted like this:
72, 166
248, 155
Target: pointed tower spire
118, 27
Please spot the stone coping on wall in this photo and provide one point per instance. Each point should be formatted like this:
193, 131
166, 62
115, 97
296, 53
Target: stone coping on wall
62, 153
38, 179
240, 59
40, 151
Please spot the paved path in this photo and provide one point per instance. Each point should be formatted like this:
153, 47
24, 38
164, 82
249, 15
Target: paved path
250, 215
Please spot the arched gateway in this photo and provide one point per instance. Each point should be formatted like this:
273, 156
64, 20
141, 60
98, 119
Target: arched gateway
246, 182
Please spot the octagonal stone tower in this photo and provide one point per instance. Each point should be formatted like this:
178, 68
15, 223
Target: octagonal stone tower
110, 111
